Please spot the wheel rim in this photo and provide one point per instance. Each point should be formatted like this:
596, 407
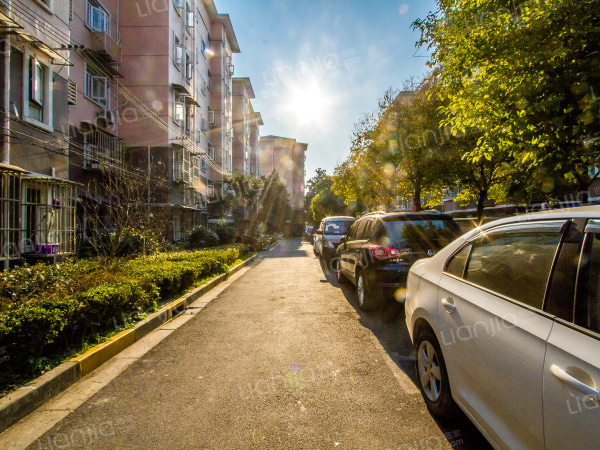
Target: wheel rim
430, 373
361, 290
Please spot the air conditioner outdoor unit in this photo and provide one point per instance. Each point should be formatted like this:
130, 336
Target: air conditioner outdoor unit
107, 116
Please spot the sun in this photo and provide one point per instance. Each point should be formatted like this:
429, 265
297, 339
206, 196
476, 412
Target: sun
308, 104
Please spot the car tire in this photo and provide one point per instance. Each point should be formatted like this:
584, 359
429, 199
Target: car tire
367, 299
339, 276
432, 375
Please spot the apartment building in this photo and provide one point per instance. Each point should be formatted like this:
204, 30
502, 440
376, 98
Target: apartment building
37, 199
177, 67
96, 147
287, 157
246, 129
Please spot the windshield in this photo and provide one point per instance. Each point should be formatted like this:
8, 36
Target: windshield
418, 236
337, 228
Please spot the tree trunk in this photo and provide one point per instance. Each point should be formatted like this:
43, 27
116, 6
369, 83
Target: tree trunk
417, 200
480, 204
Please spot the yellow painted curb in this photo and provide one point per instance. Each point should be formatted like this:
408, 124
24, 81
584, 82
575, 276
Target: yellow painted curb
101, 353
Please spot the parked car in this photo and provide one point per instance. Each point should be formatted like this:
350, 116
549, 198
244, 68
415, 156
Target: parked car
380, 248
506, 325
328, 235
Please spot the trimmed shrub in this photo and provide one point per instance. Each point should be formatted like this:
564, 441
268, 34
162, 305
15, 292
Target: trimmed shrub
47, 310
201, 237
225, 231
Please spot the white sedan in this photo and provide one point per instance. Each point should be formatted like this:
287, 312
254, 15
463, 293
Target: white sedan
506, 325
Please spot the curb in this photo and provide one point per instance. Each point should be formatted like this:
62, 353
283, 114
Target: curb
18, 404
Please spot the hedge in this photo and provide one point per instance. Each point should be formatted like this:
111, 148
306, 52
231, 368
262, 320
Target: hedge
48, 311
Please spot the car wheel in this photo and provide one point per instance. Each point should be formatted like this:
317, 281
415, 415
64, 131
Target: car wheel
432, 375
341, 279
367, 300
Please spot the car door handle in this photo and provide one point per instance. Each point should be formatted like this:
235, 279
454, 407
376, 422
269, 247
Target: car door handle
563, 376
448, 304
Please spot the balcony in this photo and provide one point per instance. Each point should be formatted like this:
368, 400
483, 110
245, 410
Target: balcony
106, 48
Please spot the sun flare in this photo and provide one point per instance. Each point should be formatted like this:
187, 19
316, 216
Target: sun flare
308, 104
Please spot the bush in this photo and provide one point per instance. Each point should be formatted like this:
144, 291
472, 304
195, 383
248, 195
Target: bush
130, 242
48, 309
225, 231
201, 237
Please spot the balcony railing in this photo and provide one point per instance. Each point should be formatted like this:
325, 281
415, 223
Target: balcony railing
106, 47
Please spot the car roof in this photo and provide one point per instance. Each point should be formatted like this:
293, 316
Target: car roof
592, 212
407, 214
348, 218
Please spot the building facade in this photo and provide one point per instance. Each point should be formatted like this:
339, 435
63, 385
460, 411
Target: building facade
177, 68
37, 199
287, 157
246, 129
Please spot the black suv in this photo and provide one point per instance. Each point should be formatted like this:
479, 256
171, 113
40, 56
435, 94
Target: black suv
380, 248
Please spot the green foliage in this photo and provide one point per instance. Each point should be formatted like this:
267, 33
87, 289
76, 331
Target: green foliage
225, 232
201, 237
46, 310
128, 242
523, 75
326, 202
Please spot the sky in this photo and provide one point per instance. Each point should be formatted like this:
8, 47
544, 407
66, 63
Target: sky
317, 65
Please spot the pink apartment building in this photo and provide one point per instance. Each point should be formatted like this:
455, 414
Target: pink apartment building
37, 200
177, 62
246, 129
287, 157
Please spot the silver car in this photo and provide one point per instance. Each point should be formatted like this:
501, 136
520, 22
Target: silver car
506, 325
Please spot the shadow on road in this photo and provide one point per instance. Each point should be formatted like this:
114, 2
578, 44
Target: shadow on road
389, 327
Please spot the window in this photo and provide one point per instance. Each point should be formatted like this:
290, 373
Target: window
188, 119
37, 103
456, 265
37, 83
204, 48
189, 67
178, 52
178, 4
211, 190
204, 165
587, 305
179, 112
47, 4
96, 87
211, 153
515, 263
97, 18
189, 16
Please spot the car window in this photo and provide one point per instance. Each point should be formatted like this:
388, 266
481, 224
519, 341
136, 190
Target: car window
421, 235
377, 231
339, 227
587, 305
456, 265
561, 290
362, 230
514, 263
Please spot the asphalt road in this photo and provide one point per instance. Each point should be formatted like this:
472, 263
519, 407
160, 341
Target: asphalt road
282, 358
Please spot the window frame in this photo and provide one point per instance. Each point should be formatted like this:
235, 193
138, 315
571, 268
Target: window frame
91, 77
48, 92
554, 224
89, 17
178, 52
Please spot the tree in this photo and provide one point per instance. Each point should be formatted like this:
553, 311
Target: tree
311, 192
326, 202
118, 212
525, 75
274, 209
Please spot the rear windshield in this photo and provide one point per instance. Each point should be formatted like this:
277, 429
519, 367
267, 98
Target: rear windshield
421, 235
337, 228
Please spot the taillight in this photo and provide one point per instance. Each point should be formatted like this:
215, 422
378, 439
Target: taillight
381, 252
